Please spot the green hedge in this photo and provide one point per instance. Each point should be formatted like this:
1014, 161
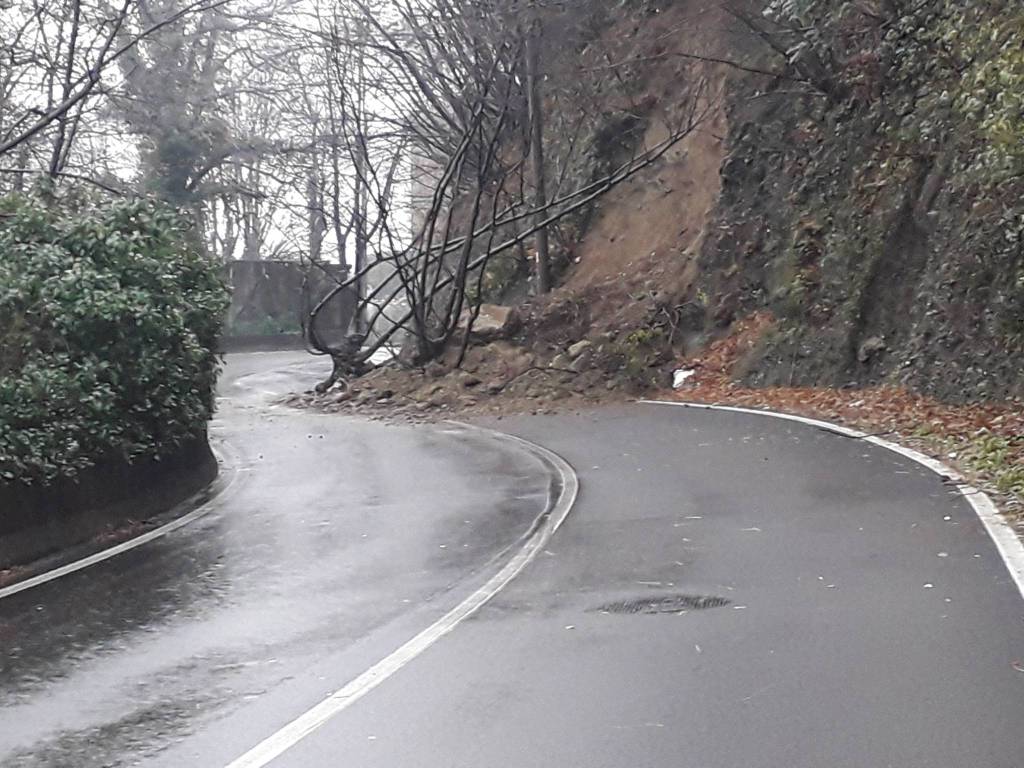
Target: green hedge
108, 324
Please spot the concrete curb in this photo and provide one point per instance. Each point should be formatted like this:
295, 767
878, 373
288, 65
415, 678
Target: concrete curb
193, 507
39, 520
560, 502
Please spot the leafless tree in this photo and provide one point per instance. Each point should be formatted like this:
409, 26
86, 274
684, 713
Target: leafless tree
408, 143
57, 59
438, 109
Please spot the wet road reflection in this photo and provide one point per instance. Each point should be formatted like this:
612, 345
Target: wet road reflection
333, 529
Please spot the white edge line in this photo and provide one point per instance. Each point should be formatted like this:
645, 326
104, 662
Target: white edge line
1009, 545
285, 738
138, 541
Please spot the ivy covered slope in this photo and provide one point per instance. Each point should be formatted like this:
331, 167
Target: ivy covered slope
874, 198
109, 320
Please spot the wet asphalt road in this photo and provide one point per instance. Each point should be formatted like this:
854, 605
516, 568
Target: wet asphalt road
335, 542
870, 621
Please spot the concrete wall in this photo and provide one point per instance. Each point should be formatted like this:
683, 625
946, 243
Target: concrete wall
270, 298
37, 521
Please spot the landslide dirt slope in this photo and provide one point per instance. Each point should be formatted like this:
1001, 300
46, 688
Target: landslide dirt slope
881, 260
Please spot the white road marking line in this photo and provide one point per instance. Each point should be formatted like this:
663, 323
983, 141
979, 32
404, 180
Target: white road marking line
298, 729
215, 425
138, 541
999, 530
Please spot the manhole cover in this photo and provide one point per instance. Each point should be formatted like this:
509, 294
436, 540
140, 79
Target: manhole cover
665, 604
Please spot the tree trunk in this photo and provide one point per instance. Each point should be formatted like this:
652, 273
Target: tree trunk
362, 193
536, 109
317, 225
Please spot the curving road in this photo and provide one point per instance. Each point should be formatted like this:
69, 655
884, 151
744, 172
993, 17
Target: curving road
334, 542
730, 590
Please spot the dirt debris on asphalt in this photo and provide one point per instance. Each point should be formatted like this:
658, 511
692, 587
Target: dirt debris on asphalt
558, 361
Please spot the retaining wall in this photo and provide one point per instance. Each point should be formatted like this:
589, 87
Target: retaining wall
38, 521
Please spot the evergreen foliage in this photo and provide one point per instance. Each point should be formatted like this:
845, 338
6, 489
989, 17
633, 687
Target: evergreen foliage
108, 324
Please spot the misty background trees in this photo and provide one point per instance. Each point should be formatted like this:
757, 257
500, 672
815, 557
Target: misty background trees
405, 142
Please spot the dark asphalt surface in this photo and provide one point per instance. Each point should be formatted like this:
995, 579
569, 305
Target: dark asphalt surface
337, 541
870, 622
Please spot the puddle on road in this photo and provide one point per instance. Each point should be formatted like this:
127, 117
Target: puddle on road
664, 604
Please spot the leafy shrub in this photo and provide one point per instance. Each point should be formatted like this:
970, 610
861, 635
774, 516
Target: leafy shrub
993, 79
959, 65
996, 456
637, 356
108, 324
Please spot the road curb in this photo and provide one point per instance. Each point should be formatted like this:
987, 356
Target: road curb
200, 503
568, 479
44, 522
536, 539
1009, 546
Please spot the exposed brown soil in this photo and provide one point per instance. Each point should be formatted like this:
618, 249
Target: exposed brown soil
645, 235
497, 379
654, 223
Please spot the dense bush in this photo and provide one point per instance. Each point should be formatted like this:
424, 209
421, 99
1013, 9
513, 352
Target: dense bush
108, 325
876, 205
938, 72
993, 78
